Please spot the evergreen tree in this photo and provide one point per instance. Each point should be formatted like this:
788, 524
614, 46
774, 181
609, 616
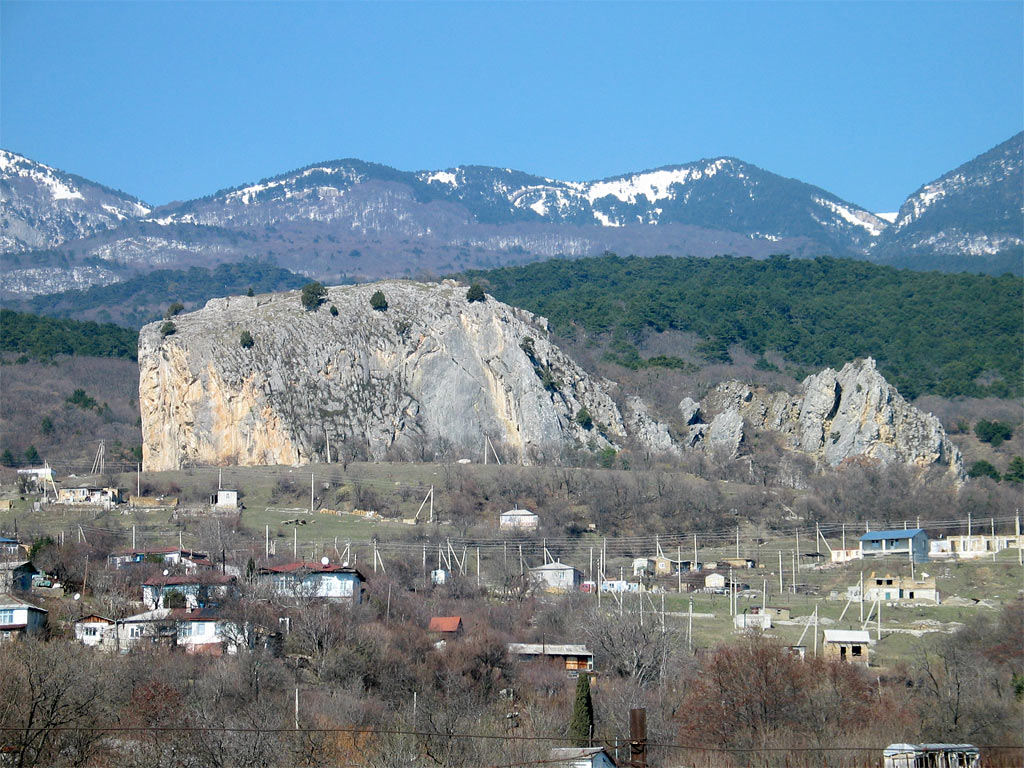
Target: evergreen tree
7, 458
1015, 472
984, 469
378, 302
246, 340
582, 724
32, 455
168, 329
313, 295
475, 293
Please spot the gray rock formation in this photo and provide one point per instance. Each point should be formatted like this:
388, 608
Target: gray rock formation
431, 372
839, 415
648, 432
690, 410
725, 433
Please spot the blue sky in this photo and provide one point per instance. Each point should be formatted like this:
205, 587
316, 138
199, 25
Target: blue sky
176, 100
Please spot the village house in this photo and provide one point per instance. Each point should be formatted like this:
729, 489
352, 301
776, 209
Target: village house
16, 575
188, 559
518, 520
720, 582
9, 547
94, 497
889, 587
580, 757
19, 617
557, 577
848, 645
977, 545
446, 627
315, 580
191, 590
908, 543
201, 631
574, 658
643, 566
97, 631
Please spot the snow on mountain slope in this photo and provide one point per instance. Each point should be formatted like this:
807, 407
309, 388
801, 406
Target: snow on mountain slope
41, 207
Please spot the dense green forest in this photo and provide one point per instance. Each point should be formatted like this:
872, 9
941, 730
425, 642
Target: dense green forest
43, 337
930, 332
139, 300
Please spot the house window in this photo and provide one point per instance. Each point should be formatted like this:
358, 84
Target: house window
90, 631
7, 616
185, 630
855, 650
135, 632
200, 629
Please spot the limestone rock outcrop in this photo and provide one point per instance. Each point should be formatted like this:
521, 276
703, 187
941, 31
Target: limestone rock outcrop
835, 416
431, 373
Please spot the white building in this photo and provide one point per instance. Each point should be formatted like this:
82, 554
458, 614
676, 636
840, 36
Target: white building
225, 498
580, 757
518, 520
558, 577
97, 631
752, 621
978, 545
18, 617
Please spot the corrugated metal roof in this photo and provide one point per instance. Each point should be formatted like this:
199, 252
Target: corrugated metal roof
548, 649
10, 601
896, 533
846, 636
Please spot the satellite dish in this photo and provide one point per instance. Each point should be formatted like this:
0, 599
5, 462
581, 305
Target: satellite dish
345, 564
166, 572
324, 560
78, 596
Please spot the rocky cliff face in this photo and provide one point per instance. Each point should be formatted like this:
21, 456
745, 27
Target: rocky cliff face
835, 416
432, 372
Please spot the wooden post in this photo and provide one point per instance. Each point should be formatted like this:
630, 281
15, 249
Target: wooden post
638, 738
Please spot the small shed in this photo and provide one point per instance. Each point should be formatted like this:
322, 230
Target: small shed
776, 612
752, 621
575, 658
518, 519
714, 581
849, 645
580, 757
225, 498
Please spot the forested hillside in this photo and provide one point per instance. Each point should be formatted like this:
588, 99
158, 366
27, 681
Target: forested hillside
43, 337
140, 300
930, 332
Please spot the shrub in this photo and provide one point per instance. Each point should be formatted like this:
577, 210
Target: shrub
475, 293
168, 329
527, 346
246, 340
1015, 472
984, 469
313, 295
994, 432
334, 311
82, 400
174, 309
250, 292
378, 302
583, 418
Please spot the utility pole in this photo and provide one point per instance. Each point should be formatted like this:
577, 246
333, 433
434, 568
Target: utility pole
311, 481
781, 586
138, 479
737, 542
267, 542
638, 738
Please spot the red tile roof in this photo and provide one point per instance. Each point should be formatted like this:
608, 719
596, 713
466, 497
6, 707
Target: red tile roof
445, 624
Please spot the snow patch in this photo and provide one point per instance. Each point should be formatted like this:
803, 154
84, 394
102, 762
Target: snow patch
890, 216
442, 177
604, 220
655, 185
857, 218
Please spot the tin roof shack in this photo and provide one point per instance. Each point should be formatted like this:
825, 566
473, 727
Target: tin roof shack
19, 617
720, 582
9, 547
849, 645
580, 757
315, 580
967, 547
97, 631
901, 588
89, 496
557, 577
912, 542
186, 590
740, 562
573, 657
518, 519
16, 575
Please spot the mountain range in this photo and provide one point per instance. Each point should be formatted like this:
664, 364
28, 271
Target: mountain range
348, 219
